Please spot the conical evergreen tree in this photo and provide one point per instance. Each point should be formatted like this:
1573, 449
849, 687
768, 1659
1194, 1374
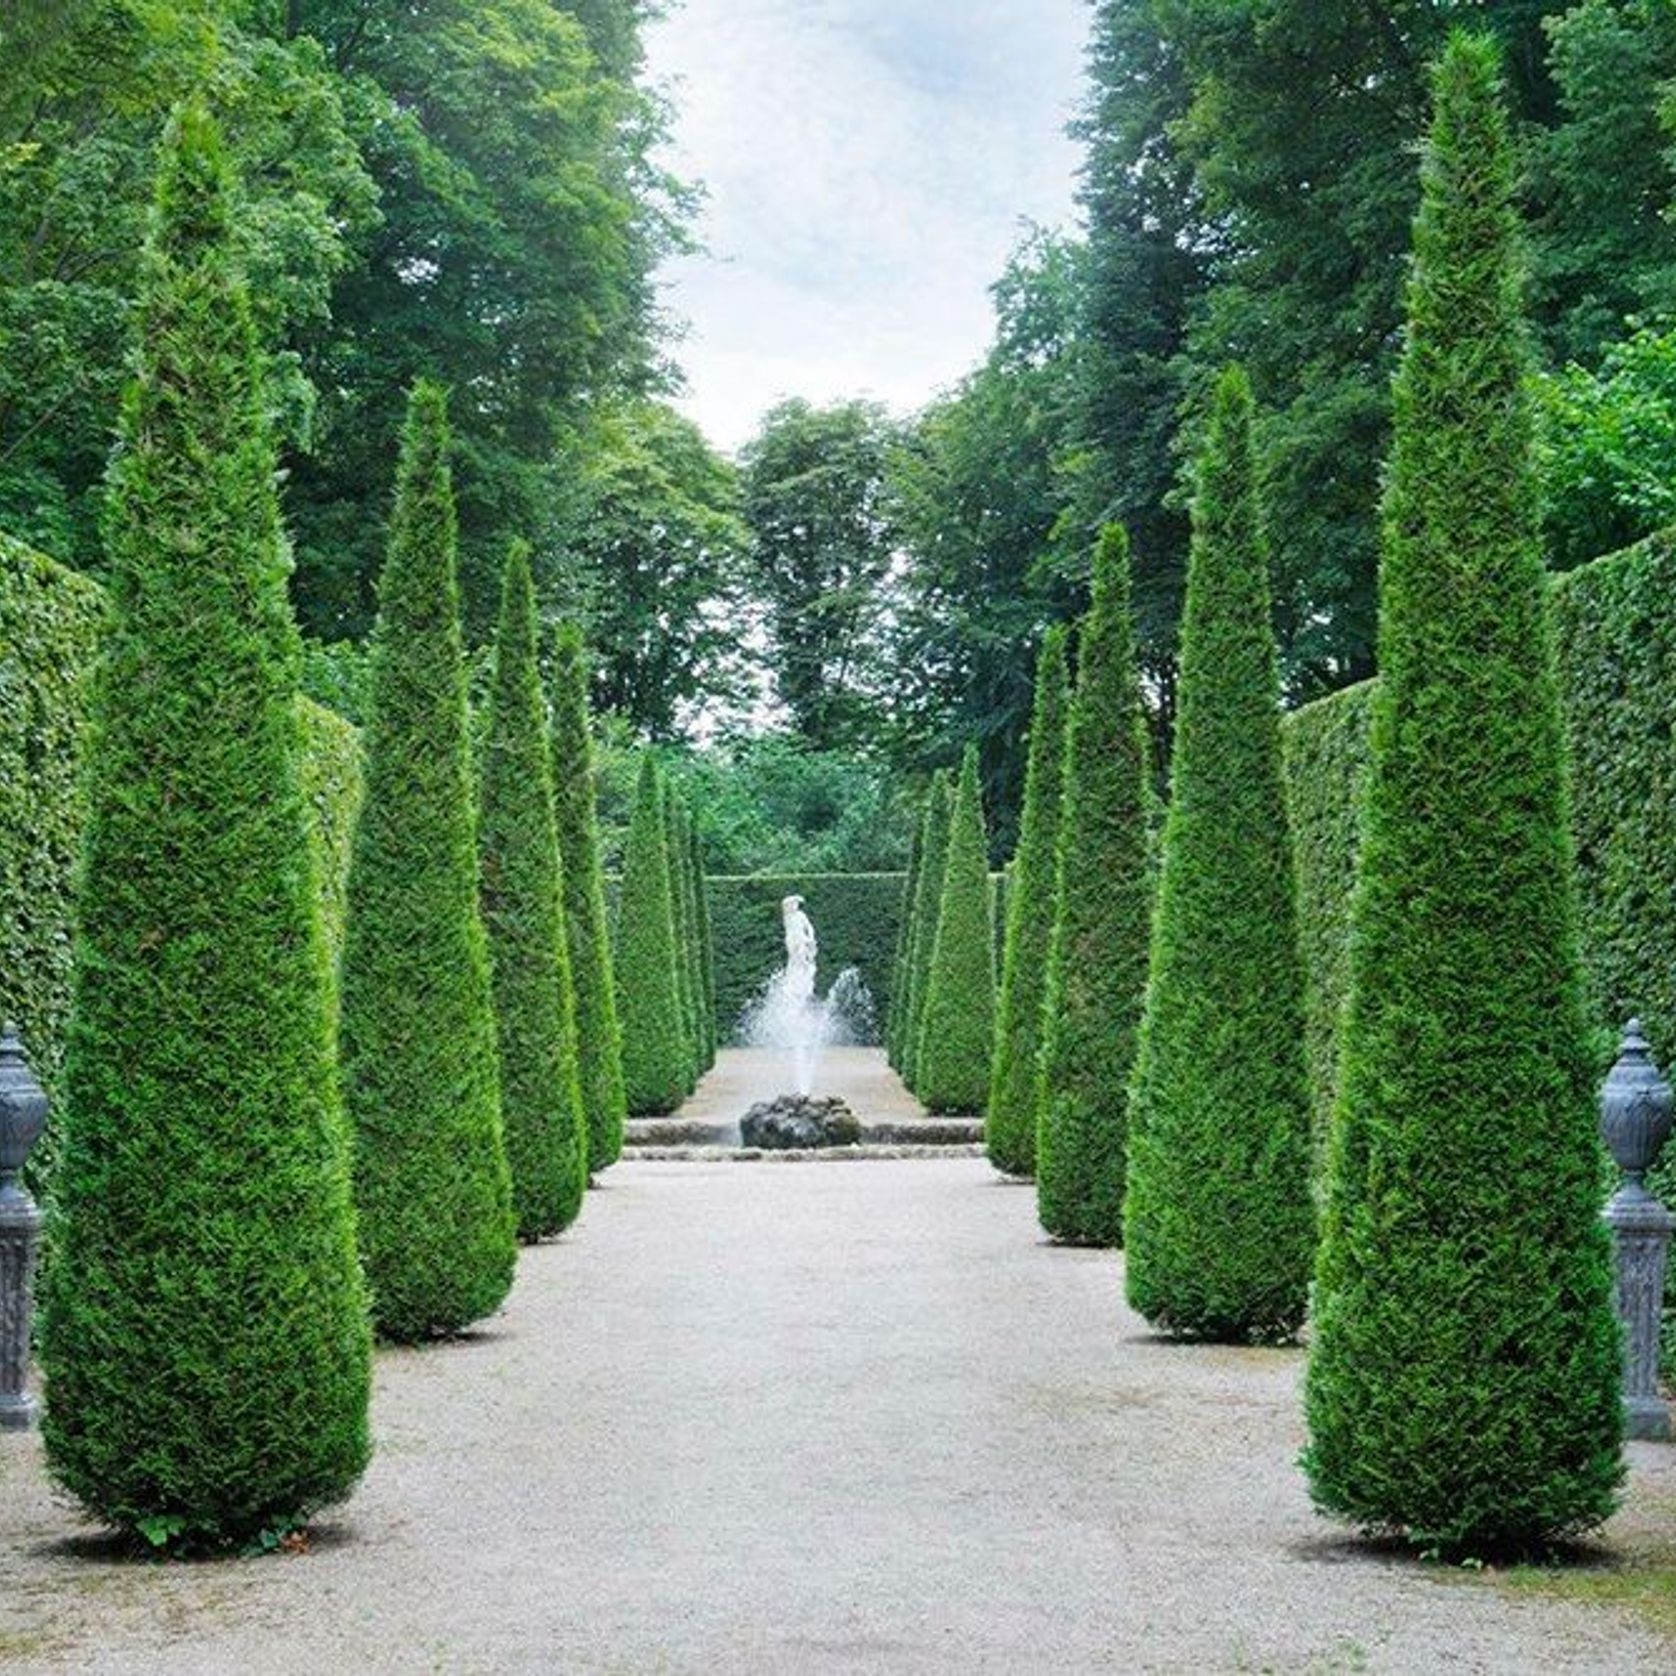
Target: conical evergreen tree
675, 849
648, 1000
599, 1048
1097, 971
1219, 1223
934, 840
421, 1071
1463, 1385
706, 945
204, 1332
904, 945
523, 914
1010, 1123
958, 1034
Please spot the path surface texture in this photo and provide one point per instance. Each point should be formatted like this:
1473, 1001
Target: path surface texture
836, 1418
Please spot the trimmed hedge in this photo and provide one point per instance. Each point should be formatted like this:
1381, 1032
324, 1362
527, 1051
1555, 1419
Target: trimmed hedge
421, 1069
922, 931
1033, 877
51, 621
204, 1333
1463, 1382
957, 1038
1097, 969
656, 1067
542, 1121
855, 916
599, 1048
51, 625
1219, 1229
1615, 631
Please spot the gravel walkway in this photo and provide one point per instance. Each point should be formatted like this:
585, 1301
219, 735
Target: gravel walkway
750, 1420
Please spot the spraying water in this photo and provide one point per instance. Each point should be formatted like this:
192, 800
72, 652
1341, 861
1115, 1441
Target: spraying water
789, 1016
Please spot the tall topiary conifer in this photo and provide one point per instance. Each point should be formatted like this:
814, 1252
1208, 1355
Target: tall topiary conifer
599, 1048
1463, 1386
523, 914
204, 1330
904, 945
1219, 1223
706, 944
957, 1038
1010, 1122
1097, 971
933, 854
648, 1000
675, 849
421, 1071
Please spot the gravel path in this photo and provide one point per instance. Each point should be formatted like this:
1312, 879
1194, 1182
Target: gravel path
813, 1420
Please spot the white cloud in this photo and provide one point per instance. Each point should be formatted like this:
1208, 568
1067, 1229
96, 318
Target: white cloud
869, 165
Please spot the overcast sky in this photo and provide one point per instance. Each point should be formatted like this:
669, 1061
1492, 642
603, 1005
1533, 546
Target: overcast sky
868, 164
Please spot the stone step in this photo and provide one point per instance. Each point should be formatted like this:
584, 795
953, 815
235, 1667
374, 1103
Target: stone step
927, 1132
654, 1154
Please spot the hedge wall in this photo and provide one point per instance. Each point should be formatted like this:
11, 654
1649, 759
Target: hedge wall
1615, 628
49, 634
49, 631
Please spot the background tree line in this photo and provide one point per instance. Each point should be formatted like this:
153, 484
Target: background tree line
470, 191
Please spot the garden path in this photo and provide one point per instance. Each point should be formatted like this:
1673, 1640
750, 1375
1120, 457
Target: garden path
823, 1419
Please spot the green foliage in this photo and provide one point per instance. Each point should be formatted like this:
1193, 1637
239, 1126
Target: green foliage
1219, 1227
705, 941
546, 1133
334, 782
1097, 968
1605, 246
204, 1333
520, 222
655, 1065
599, 1048
50, 623
1010, 1121
81, 113
897, 1004
957, 1032
982, 489
855, 916
421, 1071
686, 943
815, 500
1615, 625
1609, 450
648, 514
934, 846
1326, 780
1463, 1385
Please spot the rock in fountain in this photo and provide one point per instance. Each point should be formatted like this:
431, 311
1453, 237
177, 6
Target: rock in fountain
799, 1122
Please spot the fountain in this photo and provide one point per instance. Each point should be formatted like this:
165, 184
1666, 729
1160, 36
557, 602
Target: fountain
790, 1018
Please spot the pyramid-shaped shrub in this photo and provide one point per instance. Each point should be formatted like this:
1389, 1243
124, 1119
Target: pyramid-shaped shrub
904, 943
421, 1071
1463, 1387
934, 841
523, 914
204, 1331
1219, 1224
648, 997
1097, 970
599, 1050
958, 1032
1010, 1122
703, 944
680, 898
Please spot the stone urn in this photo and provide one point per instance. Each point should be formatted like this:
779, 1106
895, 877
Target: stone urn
23, 1108
1635, 1108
